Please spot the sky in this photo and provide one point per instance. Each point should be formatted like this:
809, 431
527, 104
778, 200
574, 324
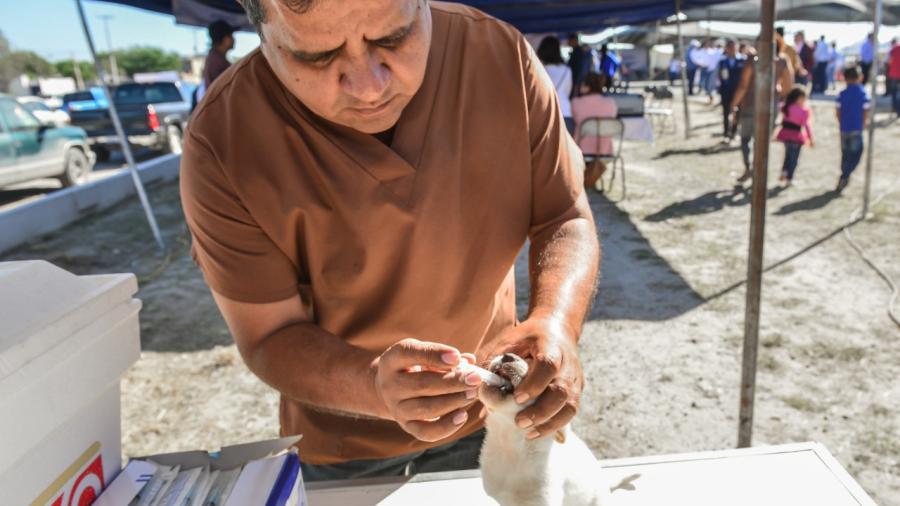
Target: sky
51, 29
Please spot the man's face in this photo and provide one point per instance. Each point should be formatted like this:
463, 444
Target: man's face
228, 42
357, 63
730, 49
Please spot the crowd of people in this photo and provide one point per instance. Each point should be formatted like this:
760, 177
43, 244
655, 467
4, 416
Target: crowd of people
727, 69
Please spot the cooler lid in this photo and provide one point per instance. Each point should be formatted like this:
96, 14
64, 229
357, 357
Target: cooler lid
41, 305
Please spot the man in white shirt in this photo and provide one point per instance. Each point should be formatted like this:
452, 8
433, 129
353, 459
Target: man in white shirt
822, 55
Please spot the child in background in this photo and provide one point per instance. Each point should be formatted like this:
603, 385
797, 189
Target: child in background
852, 114
795, 131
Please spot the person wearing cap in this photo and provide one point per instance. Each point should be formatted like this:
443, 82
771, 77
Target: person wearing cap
358, 190
221, 36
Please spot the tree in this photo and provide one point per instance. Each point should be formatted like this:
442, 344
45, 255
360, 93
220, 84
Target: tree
31, 64
6, 69
65, 68
143, 59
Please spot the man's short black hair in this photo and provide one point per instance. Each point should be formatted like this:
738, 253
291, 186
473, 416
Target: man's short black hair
779, 30
256, 12
218, 30
851, 73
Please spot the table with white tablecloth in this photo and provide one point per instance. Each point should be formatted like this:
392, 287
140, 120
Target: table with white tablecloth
783, 475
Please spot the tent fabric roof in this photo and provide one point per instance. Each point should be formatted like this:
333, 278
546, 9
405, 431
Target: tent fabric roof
844, 11
526, 15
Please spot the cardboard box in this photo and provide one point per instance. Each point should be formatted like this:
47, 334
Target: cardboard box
65, 341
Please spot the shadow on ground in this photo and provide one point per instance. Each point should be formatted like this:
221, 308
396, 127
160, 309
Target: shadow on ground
809, 204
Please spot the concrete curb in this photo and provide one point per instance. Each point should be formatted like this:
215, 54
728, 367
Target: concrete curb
56, 210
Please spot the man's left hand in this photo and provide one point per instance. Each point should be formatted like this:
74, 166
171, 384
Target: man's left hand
554, 378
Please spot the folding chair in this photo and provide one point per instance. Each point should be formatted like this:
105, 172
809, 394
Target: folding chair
606, 127
659, 110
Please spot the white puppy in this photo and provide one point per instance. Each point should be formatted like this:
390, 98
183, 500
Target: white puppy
550, 471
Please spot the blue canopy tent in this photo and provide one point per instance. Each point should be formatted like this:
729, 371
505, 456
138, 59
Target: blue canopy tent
526, 15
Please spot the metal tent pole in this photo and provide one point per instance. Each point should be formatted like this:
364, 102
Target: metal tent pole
763, 106
114, 115
684, 81
873, 78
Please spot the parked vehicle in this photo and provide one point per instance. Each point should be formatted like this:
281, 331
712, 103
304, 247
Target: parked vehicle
89, 99
31, 150
153, 115
43, 112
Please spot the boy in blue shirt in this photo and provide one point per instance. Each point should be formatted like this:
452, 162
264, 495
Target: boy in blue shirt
853, 115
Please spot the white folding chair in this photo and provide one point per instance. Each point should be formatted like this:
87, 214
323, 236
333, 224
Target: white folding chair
606, 127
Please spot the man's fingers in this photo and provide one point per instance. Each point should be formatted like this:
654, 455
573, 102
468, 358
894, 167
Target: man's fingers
427, 383
541, 372
547, 405
428, 408
555, 423
438, 429
430, 356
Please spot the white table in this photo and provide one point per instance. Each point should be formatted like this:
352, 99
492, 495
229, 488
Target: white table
784, 475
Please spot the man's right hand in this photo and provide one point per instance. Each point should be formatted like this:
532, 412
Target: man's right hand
420, 389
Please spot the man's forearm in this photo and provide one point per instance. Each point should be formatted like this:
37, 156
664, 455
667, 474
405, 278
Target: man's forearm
316, 368
563, 264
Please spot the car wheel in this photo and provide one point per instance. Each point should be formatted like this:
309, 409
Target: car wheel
76, 169
173, 139
102, 154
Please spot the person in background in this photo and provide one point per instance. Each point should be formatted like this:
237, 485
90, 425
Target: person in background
550, 54
796, 130
674, 70
822, 56
730, 68
708, 61
866, 57
835, 61
807, 58
745, 98
221, 35
609, 65
691, 65
853, 115
580, 62
893, 75
791, 54
592, 104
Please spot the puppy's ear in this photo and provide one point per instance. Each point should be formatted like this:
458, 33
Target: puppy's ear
560, 437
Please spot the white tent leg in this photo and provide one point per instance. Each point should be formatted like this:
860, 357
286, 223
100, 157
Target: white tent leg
120, 132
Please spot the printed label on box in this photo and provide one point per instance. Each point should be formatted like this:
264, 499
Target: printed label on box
79, 485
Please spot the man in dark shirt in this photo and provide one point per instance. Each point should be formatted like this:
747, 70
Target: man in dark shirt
222, 36
580, 62
730, 68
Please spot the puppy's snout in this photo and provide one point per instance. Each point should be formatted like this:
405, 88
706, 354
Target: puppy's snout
507, 358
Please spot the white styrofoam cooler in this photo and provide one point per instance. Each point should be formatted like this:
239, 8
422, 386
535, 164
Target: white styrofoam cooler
65, 341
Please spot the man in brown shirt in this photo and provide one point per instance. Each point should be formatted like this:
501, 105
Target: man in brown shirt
358, 190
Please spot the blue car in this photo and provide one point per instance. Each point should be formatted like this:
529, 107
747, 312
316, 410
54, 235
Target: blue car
86, 100
31, 150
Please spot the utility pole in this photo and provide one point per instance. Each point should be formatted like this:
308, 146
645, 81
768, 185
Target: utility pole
113, 68
79, 80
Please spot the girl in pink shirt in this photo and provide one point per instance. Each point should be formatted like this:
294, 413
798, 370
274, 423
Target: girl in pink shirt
795, 131
592, 104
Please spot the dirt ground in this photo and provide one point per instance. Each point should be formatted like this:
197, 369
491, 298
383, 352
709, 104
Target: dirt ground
662, 346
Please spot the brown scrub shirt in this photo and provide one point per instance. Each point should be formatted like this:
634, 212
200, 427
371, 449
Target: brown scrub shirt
416, 239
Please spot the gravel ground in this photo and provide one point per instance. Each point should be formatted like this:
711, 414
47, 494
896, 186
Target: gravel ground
662, 346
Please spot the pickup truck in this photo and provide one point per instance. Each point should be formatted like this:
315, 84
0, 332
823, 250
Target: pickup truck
153, 115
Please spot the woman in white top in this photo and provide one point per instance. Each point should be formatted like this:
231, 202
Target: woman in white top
550, 54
